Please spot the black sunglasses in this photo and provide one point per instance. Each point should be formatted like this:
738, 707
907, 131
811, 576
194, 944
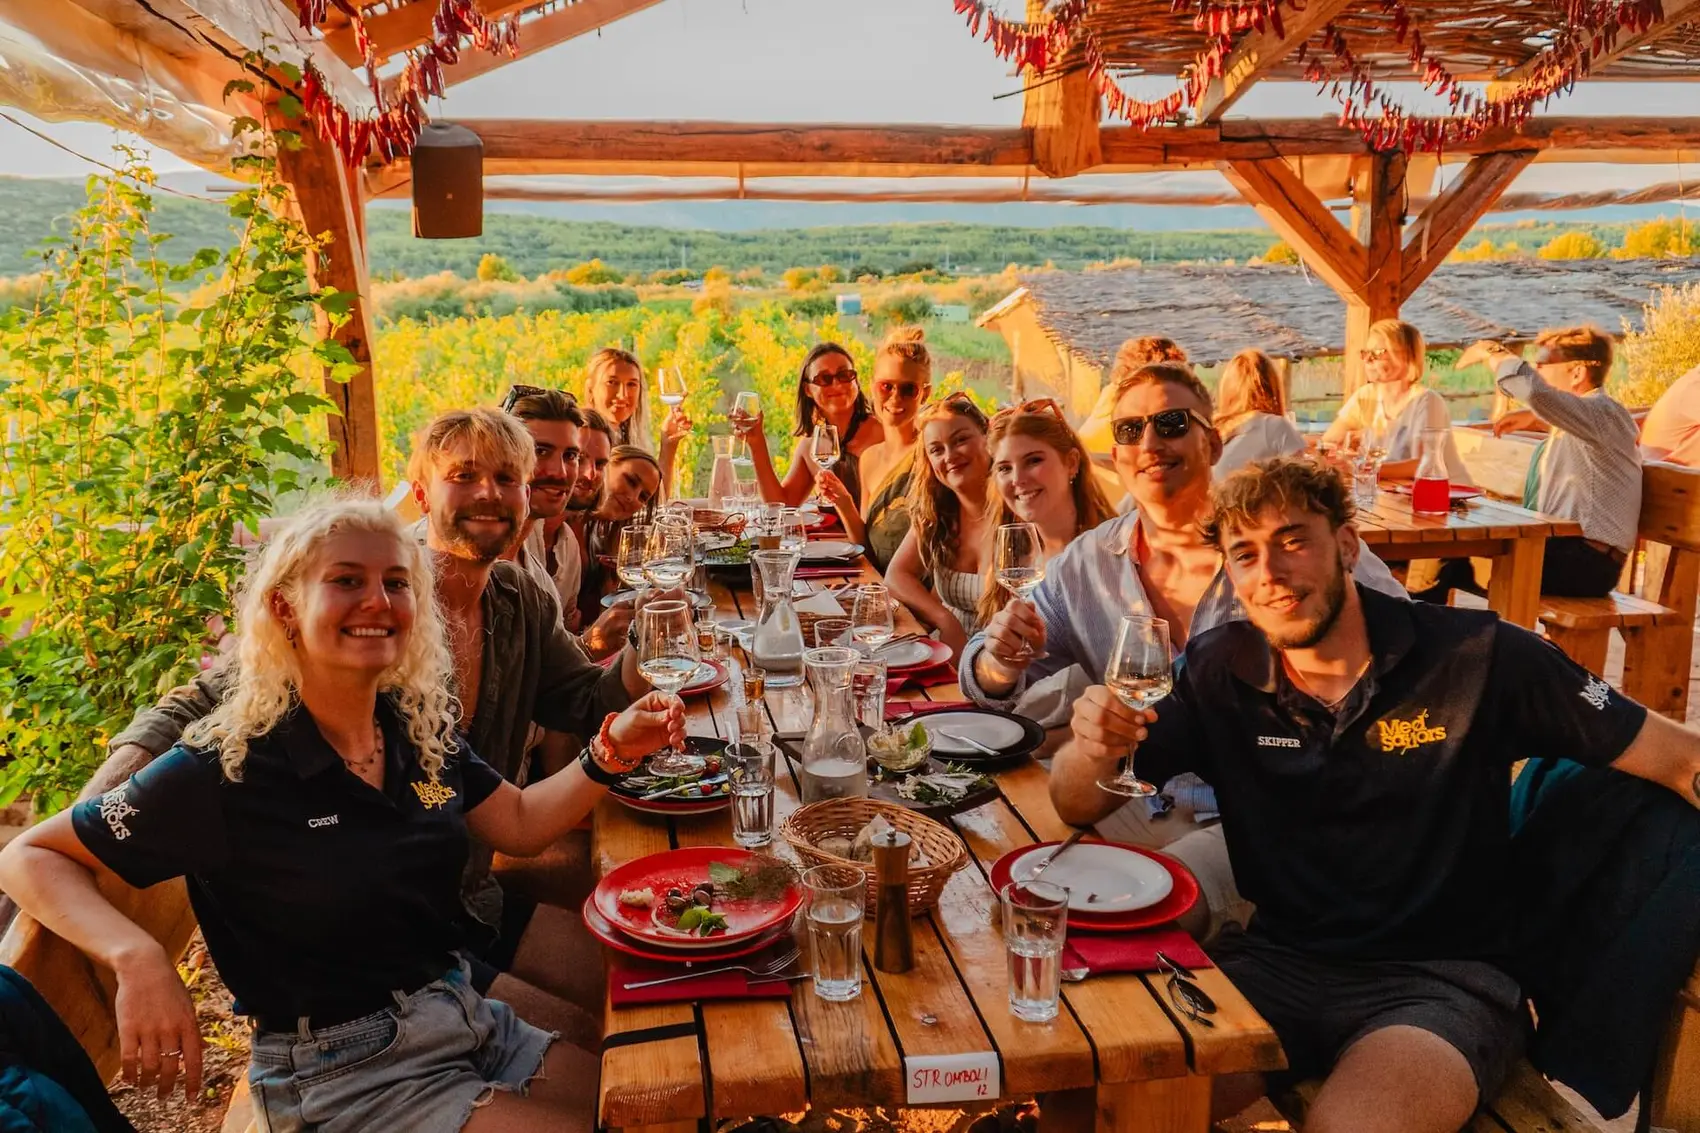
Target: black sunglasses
1189, 999
1170, 425
903, 389
517, 392
833, 378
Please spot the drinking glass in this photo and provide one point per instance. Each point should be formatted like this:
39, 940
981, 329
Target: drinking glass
1140, 675
749, 767
867, 687
832, 631
1035, 922
836, 900
672, 385
667, 658
823, 450
768, 526
871, 619
793, 531
1018, 558
630, 553
754, 679
748, 402
752, 722
1366, 476
671, 555
708, 639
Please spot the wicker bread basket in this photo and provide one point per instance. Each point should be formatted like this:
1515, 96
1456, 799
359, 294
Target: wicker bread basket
844, 818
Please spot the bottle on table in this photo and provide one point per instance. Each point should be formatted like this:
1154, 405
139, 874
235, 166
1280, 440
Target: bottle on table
1431, 493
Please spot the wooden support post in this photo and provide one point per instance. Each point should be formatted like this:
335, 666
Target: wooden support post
1379, 192
1289, 207
1446, 220
327, 195
1062, 114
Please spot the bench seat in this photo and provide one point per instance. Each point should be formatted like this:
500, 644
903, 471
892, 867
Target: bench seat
1582, 627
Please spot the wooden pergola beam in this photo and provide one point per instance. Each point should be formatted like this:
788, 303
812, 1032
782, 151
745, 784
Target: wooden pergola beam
1062, 112
544, 32
1288, 206
1675, 14
327, 195
1446, 220
1259, 53
1379, 216
408, 26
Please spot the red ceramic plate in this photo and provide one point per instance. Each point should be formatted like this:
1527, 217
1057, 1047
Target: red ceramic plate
614, 938
684, 869
1181, 898
1456, 491
706, 682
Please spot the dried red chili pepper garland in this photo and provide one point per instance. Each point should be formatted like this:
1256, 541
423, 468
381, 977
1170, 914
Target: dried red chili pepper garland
400, 115
1589, 29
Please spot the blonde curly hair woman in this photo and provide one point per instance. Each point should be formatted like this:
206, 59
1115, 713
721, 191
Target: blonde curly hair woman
320, 815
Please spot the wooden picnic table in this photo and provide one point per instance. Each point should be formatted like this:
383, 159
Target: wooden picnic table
1515, 538
1118, 1057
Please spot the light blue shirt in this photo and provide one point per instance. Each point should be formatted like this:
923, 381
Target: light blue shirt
1092, 583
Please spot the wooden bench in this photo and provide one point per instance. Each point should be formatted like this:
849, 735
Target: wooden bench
1656, 621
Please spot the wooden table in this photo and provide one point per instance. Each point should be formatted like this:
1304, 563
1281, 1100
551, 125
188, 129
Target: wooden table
1118, 1057
1513, 537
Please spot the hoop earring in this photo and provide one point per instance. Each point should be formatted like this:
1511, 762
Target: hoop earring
289, 635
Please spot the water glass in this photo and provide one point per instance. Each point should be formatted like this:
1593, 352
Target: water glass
867, 686
749, 767
832, 631
1365, 483
1035, 919
836, 905
752, 723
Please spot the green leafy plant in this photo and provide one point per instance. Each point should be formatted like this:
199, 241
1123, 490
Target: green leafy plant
150, 411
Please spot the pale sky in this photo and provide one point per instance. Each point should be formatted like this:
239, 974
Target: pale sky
820, 61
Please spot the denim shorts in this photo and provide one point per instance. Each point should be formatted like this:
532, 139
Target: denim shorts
420, 1067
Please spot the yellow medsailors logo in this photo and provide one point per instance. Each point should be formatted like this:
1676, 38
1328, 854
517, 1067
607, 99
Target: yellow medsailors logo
1403, 736
432, 795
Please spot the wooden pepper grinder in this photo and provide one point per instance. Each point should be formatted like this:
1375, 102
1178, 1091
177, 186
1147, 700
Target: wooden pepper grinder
894, 947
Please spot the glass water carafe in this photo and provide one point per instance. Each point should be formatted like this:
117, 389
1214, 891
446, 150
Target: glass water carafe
722, 478
1431, 491
777, 646
835, 759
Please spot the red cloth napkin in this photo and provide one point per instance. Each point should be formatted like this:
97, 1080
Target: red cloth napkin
896, 708
727, 985
927, 676
827, 572
1103, 953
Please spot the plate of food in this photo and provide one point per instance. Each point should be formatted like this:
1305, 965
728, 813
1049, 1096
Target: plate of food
700, 897
709, 675
700, 789
602, 929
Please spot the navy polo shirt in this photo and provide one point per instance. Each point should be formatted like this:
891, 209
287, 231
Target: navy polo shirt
1381, 830
317, 893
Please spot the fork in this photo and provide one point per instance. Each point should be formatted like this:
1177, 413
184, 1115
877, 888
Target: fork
762, 973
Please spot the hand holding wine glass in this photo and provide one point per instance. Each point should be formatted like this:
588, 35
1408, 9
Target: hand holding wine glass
1018, 562
1140, 674
671, 384
823, 448
667, 658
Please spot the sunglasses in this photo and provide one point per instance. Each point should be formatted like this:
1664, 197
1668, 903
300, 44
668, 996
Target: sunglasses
1374, 355
1037, 405
517, 393
833, 378
1170, 424
960, 402
902, 389
1189, 999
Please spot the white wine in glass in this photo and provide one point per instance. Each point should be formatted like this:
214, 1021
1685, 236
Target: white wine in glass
871, 619
667, 658
1140, 673
671, 555
823, 450
672, 385
630, 553
1018, 559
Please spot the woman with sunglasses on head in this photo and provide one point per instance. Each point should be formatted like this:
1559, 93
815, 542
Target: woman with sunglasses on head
1251, 413
616, 387
320, 816
903, 380
1392, 409
828, 390
936, 571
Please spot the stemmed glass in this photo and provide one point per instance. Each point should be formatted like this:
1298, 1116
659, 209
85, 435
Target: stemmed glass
667, 658
672, 385
671, 555
1140, 675
793, 531
823, 450
1018, 560
630, 554
871, 621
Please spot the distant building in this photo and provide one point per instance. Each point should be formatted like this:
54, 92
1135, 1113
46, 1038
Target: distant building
951, 312
850, 303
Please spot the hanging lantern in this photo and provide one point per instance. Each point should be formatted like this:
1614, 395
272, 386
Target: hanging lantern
448, 183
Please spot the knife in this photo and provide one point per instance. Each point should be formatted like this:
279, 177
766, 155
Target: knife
969, 740
711, 781
1055, 854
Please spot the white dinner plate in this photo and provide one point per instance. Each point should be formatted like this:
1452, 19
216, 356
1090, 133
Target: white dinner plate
1100, 878
905, 653
994, 731
818, 549
700, 601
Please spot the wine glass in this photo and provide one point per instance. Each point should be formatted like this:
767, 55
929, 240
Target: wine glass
667, 658
671, 555
1018, 558
1140, 675
871, 621
630, 553
823, 450
672, 384
793, 531
748, 402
